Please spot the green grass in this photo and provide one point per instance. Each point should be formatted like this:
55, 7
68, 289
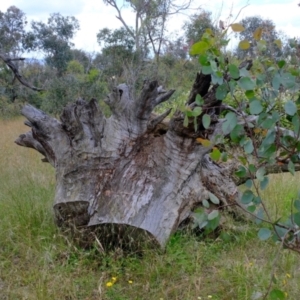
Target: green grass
38, 262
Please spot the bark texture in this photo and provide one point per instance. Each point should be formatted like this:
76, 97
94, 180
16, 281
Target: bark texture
130, 169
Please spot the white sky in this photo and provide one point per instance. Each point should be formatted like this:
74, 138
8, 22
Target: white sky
93, 15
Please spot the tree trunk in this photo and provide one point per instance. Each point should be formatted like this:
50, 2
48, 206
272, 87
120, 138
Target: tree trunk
130, 170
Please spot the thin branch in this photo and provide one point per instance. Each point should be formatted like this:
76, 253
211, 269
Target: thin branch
9, 62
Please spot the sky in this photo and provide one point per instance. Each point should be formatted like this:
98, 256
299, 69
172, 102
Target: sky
94, 15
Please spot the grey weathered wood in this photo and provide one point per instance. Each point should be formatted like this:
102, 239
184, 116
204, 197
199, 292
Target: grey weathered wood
119, 169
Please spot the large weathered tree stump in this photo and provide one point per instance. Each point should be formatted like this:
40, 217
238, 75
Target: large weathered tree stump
128, 168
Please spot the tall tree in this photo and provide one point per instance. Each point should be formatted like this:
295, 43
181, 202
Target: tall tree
54, 38
196, 26
12, 31
268, 34
151, 17
117, 50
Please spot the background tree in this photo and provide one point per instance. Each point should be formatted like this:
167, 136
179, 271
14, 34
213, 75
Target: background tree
196, 26
151, 17
13, 34
117, 51
54, 39
268, 34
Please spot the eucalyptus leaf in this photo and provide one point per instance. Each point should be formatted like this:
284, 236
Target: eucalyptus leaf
199, 48
297, 204
206, 120
291, 167
256, 107
246, 83
205, 203
221, 91
230, 123
264, 183
213, 214
290, 107
264, 234
247, 197
234, 71
248, 147
249, 183
214, 199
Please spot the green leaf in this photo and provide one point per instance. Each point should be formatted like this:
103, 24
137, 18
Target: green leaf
206, 120
255, 107
205, 203
237, 133
280, 231
186, 121
260, 215
290, 107
213, 224
291, 167
230, 123
215, 154
206, 70
251, 208
213, 214
244, 72
297, 204
264, 234
260, 173
270, 138
249, 183
214, 199
281, 64
246, 83
195, 124
276, 294
276, 81
241, 172
264, 183
296, 218
224, 157
217, 78
256, 200
250, 94
199, 100
221, 92
197, 111
248, 147
296, 124
247, 197
288, 80
203, 60
199, 48
234, 71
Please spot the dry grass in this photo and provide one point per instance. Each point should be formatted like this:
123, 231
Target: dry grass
37, 262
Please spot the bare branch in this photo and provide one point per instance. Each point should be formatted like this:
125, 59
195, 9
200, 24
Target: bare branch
9, 62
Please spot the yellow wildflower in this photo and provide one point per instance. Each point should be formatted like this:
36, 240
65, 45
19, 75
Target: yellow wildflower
130, 281
109, 284
114, 279
284, 282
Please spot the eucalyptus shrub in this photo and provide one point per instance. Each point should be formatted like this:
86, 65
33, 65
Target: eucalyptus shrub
263, 121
